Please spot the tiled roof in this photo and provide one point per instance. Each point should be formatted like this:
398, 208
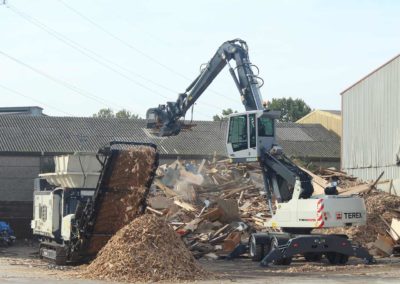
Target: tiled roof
49, 134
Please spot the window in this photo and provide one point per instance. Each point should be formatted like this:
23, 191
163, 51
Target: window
238, 132
252, 125
265, 126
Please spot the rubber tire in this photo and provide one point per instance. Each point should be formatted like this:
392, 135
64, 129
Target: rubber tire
256, 250
336, 258
312, 256
284, 261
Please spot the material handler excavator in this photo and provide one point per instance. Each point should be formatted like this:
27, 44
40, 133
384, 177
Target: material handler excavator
251, 137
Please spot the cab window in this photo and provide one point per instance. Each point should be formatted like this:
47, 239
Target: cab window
252, 125
265, 126
238, 132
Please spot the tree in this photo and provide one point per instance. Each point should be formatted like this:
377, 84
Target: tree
123, 113
104, 113
225, 113
291, 109
109, 113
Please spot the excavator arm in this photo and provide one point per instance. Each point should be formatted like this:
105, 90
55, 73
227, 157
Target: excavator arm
280, 173
167, 116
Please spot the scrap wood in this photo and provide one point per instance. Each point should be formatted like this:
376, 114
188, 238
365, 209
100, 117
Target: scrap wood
168, 192
212, 215
246, 205
236, 190
218, 239
384, 244
191, 177
361, 188
319, 183
159, 202
184, 205
395, 229
229, 209
220, 230
192, 225
201, 166
375, 182
212, 171
154, 210
231, 241
258, 219
338, 173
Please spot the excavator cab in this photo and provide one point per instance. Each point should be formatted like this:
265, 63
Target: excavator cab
249, 133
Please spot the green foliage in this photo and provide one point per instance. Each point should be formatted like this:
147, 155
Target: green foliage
123, 113
104, 113
225, 113
291, 109
109, 113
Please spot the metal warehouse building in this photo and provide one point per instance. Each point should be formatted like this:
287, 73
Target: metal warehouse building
371, 126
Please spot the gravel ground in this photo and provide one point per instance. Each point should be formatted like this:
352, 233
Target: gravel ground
19, 264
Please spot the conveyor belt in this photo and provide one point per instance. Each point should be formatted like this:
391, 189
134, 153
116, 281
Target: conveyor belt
121, 194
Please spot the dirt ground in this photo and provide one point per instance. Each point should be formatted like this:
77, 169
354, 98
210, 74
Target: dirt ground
20, 264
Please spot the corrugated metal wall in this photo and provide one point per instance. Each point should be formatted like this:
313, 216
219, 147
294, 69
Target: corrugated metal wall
326, 119
371, 124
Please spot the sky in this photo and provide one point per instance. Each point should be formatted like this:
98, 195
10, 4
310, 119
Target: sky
74, 57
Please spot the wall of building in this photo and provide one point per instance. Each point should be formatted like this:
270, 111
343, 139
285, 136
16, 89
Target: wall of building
371, 125
328, 120
16, 191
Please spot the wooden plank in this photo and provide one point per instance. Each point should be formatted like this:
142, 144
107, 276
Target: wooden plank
375, 182
236, 190
219, 231
231, 241
169, 192
201, 166
356, 189
319, 183
185, 205
395, 229
213, 214
384, 244
154, 211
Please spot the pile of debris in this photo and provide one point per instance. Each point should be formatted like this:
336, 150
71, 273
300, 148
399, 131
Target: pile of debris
212, 205
145, 250
217, 205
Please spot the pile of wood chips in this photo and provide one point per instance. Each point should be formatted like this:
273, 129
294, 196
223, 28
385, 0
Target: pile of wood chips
145, 250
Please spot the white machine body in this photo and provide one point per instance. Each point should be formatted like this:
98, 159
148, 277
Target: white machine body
46, 213
319, 211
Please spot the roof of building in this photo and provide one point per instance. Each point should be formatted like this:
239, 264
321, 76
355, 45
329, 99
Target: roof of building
22, 110
336, 112
371, 73
47, 134
304, 118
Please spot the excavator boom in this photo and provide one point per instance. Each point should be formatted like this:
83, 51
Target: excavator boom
166, 117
